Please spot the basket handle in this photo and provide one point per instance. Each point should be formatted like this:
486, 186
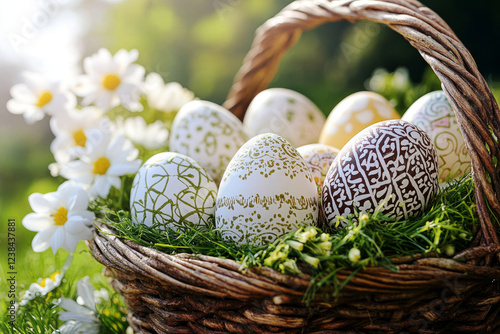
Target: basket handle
472, 101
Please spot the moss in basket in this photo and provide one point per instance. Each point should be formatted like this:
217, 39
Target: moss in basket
446, 228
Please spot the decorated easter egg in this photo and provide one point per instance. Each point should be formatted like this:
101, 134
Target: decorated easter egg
353, 114
209, 134
391, 166
318, 158
286, 113
433, 114
171, 189
266, 191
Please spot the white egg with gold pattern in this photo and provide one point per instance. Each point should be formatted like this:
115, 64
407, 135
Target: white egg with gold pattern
433, 114
266, 191
209, 134
318, 158
172, 190
284, 112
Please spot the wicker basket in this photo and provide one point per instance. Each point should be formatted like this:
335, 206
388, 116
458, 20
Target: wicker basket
202, 294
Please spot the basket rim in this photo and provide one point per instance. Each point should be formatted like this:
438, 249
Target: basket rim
195, 273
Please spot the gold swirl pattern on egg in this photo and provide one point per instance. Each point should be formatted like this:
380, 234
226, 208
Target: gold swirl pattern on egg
209, 134
268, 148
172, 190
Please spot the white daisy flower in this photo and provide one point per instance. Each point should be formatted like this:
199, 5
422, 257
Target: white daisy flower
100, 166
61, 218
72, 129
165, 97
36, 97
112, 80
42, 288
80, 318
136, 129
46, 285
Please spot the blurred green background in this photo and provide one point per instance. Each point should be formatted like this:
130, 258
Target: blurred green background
201, 44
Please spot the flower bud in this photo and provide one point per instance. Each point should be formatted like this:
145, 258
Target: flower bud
327, 245
449, 250
354, 255
295, 245
313, 261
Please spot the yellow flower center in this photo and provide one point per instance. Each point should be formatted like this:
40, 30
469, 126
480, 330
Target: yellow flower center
80, 138
111, 81
61, 216
101, 166
52, 277
44, 99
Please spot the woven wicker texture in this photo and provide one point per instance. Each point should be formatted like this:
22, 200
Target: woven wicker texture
202, 294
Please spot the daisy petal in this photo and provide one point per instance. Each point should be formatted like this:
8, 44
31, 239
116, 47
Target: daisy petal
76, 225
45, 204
41, 241
130, 167
73, 309
23, 94
37, 222
86, 291
101, 186
58, 239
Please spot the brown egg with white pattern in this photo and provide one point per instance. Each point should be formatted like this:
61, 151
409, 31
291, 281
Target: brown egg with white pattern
391, 166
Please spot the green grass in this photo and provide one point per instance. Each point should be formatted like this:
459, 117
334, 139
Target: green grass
40, 315
446, 228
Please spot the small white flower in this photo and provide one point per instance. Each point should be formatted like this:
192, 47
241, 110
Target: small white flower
112, 80
150, 136
165, 97
46, 285
61, 218
36, 97
42, 288
100, 166
80, 318
309, 233
72, 129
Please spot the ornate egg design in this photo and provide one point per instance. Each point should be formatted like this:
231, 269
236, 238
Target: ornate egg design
433, 114
392, 164
318, 158
171, 189
209, 134
353, 114
266, 191
286, 113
